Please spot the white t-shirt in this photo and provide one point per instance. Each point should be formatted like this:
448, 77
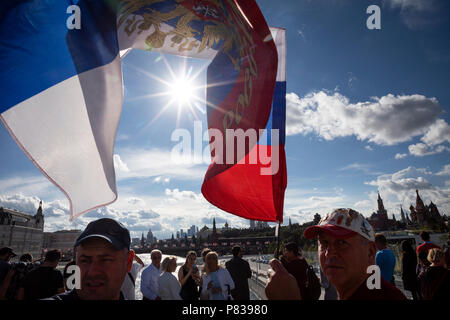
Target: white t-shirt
128, 288
224, 279
168, 287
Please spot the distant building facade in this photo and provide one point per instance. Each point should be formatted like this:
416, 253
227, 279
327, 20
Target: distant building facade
380, 220
258, 224
22, 232
62, 240
420, 215
150, 238
192, 231
135, 242
424, 215
204, 232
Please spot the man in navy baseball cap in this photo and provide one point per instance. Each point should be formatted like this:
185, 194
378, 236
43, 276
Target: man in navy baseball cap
102, 252
112, 231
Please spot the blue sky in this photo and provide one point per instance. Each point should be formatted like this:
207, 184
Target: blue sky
367, 110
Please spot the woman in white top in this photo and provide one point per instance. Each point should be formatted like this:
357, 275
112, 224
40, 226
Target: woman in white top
216, 282
169, 287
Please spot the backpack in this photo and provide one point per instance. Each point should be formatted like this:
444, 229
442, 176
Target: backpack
21, 270
313, 287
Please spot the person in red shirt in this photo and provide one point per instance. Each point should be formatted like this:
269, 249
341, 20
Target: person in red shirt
427, 245
346, 249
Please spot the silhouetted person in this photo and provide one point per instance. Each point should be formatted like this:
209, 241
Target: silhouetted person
427, 245
409, 267
435, 281
44, 281
240, 272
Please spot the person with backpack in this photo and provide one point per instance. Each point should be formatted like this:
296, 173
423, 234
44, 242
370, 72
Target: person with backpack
297, 266
346, 248
281, 285
16, 277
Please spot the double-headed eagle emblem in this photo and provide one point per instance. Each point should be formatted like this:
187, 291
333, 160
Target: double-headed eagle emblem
207, 20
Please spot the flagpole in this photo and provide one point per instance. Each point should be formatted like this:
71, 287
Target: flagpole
277, 233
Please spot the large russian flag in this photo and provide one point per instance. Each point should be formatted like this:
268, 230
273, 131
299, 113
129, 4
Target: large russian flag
61, 90
61, 94
254, 186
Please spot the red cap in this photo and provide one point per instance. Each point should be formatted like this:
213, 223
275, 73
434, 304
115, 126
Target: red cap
335, 231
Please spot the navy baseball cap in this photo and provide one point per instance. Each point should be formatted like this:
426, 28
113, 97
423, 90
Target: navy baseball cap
112, 231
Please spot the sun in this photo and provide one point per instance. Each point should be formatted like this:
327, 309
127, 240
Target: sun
182, 91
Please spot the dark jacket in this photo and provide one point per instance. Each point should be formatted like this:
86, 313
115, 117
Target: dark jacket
240, 272
435, 284
297, 268
409, 266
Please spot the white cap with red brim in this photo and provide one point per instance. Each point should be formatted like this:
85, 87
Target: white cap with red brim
342, 224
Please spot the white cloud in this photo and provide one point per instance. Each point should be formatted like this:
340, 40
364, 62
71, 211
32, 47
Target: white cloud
433, 140
438, 133
384, 121
368, 148
134, 201
119, 165
421, 149
366, 168
161, 180
400, 156
445, 171
178, 195
364, 205
399, 189
20, 203
28, 184
149, 163
302, 204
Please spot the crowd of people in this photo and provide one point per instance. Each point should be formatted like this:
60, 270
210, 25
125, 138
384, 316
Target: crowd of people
347, 248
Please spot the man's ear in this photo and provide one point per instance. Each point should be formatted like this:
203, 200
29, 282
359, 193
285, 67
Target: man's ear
130, 258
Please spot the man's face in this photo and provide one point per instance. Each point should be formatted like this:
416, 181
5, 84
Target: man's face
103, 269
288, 255
156, 259
345, 262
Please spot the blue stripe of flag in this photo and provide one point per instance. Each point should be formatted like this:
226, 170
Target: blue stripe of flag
37, 51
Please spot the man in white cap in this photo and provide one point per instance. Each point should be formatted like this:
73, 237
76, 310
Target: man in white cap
346, 249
